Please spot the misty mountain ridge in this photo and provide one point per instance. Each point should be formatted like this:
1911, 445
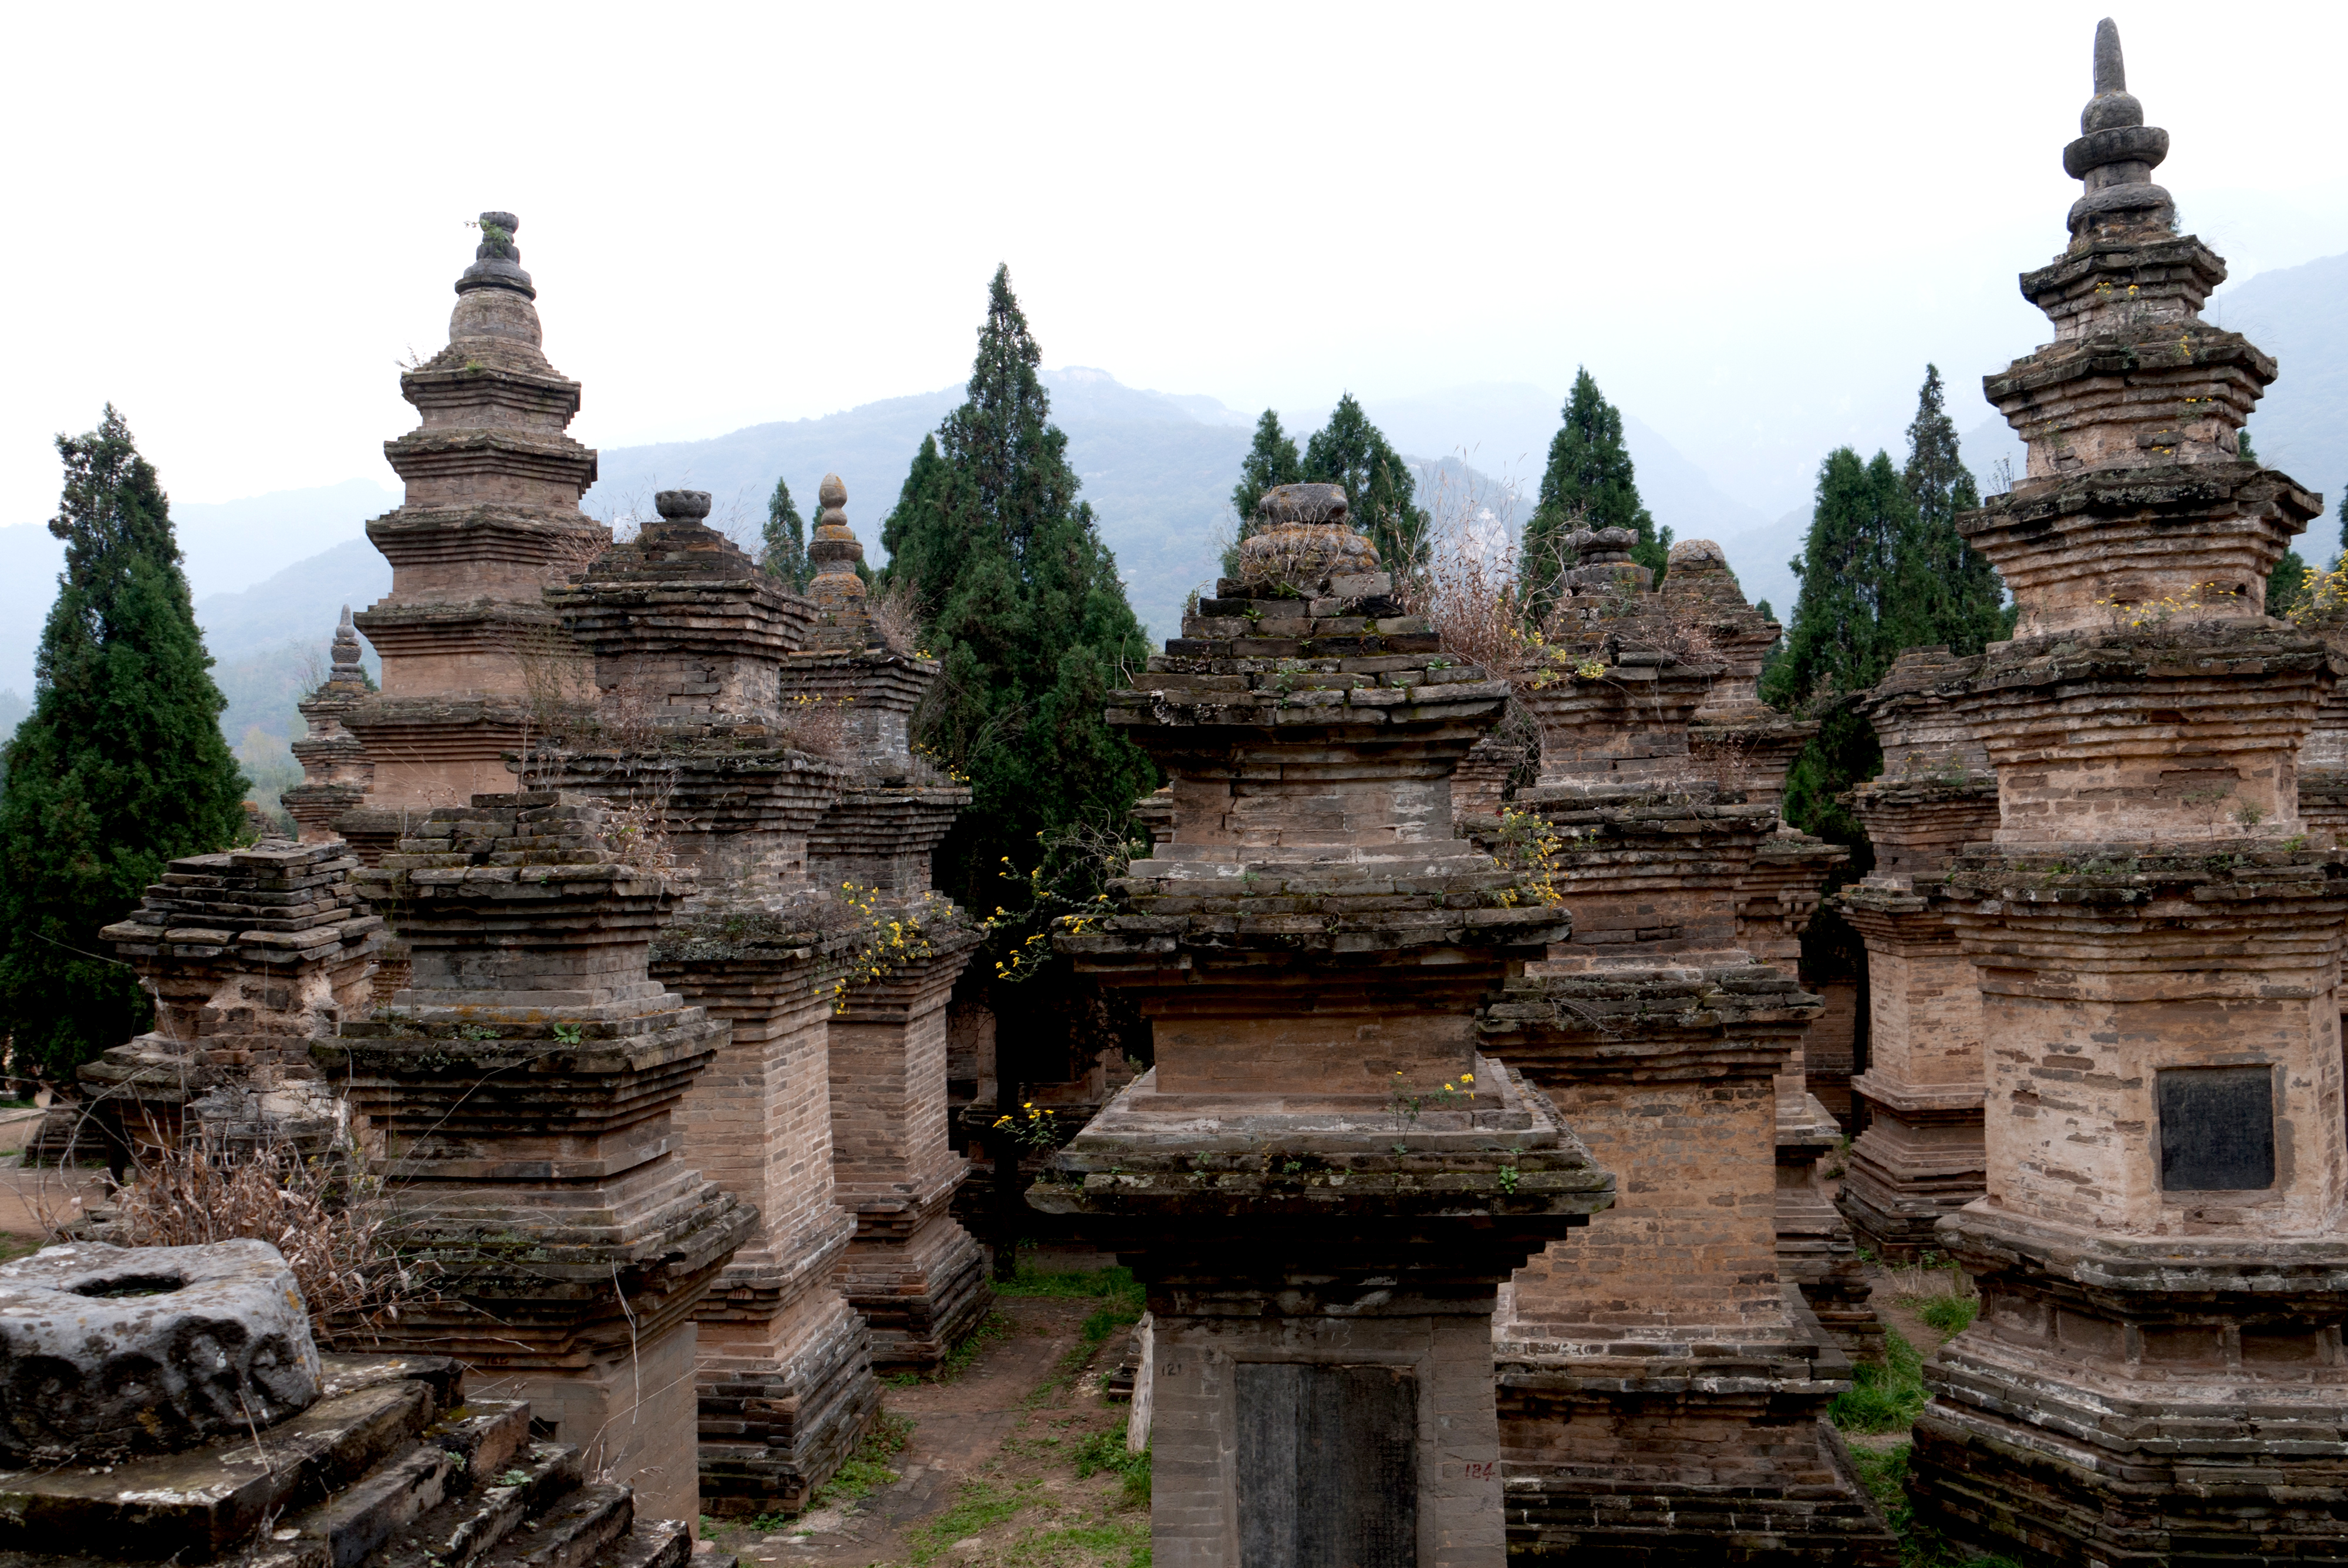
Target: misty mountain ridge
272, 573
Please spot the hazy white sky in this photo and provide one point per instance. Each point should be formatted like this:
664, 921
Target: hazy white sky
1754, 223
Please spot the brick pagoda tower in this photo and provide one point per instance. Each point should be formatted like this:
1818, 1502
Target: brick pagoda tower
1662, 1375
1919, 1156
335, 768
1320, 1211
491, 517
520, 1095
2156, 1374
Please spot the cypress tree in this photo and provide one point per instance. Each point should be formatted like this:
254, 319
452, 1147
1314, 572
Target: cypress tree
1840, 644
1380, 492
1590, 482
1943, 591
1271, 460
1024, 610
120, 768
784, 557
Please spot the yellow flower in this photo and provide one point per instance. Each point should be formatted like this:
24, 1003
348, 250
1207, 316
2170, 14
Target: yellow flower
1466, 1078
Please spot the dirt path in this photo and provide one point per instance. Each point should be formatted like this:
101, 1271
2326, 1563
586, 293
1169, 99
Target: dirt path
990, 1476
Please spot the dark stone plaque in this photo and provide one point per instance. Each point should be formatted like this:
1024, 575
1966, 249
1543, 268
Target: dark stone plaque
1328, 1460
2217, 1129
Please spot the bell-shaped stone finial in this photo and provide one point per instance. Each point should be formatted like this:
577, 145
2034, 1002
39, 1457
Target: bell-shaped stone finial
2117, 151
497, 261
833, 553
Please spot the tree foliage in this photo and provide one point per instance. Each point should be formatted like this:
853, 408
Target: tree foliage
1945, 592
1589, 483
1381, 494
1271, 460
784, 554
1839, 643
1023, 610
120, 768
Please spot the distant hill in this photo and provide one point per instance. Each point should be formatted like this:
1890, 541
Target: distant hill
2300, 316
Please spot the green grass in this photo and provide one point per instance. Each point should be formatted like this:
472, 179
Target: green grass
1133, 1536
1107, 1450
1952, 1315
1885, 1399
979, 1506
1120, 1293
867, 1470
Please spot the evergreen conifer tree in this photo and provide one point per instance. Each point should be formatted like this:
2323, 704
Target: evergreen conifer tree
1840, 644
1380, 492
784, 557
1273, 459
120, 768
1590, 482
1024, 611
1942, 590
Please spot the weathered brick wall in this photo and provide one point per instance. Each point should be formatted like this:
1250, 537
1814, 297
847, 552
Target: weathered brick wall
1690, 1243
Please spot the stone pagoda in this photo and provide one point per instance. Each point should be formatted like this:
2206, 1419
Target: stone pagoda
706, 731
2156, 1373
471, 656
520, 1095
1321, 1182
335, 768
912, 1270
247, 954
1920, 1155
1664, 1375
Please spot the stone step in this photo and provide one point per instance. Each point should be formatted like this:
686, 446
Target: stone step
462, 1531
573, 1533
656, 1544
355, 1524
204, 1500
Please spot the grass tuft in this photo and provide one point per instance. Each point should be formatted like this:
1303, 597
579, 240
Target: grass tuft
1885, 1399
867, 1470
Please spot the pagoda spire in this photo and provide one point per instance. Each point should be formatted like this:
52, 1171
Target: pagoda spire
2117, 153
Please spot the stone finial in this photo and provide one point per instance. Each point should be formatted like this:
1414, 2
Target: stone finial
346, 660
2117, 151
497, 261
682, 505
834, 552
1303, 534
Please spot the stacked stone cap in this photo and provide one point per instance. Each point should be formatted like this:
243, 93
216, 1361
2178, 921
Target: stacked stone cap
276, 905
682, 621
1192, 1167
1688, 1016
522, 900
247, 954
1733, 731
2116, 152
493, 408
1304, 701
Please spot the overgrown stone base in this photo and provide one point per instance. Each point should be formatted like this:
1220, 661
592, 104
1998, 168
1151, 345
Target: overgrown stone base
921, 1293
783, 1404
